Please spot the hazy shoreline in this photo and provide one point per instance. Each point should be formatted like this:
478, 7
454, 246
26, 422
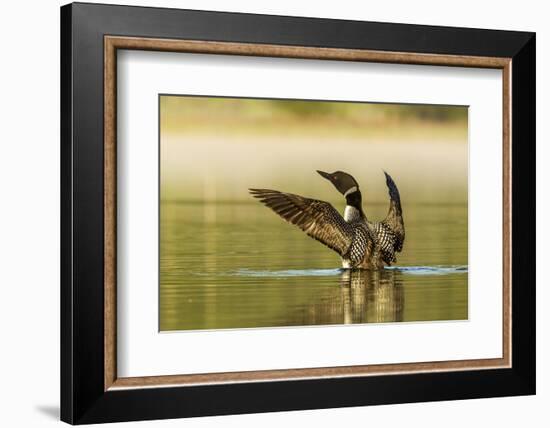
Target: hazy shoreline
196, 167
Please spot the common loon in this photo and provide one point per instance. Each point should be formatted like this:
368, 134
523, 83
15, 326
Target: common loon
361, 244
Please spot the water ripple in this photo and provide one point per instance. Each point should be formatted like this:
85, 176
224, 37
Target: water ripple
286, 273
429, 270
409, 270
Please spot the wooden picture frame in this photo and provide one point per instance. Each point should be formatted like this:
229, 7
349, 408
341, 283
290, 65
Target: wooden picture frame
91, 390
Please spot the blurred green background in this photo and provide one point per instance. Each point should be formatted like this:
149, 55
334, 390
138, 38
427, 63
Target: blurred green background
216, 148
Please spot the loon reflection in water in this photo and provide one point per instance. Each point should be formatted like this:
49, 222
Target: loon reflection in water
363, 296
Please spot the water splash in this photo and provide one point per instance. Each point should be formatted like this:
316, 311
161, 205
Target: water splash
407, 270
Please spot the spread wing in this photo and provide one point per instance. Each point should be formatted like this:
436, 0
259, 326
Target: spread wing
394, 219
318, 219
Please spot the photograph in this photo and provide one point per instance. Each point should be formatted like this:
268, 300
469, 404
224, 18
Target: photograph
291, 212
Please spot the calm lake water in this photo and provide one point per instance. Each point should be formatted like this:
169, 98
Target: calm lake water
238, 265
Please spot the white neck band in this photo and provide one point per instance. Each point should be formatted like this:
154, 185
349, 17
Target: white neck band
353, 189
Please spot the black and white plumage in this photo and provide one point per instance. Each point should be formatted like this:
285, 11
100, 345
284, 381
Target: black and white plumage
359, 242
318, 219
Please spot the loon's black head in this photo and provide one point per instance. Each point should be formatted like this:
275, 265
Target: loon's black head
343, 182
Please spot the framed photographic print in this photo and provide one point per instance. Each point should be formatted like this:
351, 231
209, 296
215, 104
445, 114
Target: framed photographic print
265, 213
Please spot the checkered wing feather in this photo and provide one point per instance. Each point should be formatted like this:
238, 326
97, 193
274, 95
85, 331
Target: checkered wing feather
386, 242
318, 219
394, 220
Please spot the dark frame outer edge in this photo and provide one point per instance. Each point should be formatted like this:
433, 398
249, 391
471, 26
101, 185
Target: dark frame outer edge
83, 399
66, 96
524, 213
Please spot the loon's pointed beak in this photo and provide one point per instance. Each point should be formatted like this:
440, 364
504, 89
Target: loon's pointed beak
324, 174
